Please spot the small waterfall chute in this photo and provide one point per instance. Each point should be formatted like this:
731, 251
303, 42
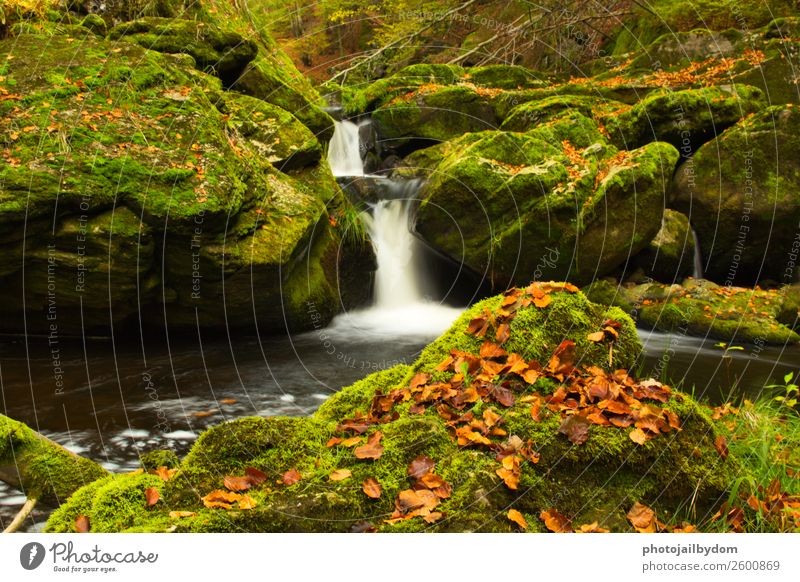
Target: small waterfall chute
344, 150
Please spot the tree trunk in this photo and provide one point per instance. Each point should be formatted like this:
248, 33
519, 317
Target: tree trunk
39, 467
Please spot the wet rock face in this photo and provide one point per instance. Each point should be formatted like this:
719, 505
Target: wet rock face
670, 255
141, 191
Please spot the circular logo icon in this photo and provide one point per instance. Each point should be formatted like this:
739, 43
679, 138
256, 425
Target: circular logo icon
31, 555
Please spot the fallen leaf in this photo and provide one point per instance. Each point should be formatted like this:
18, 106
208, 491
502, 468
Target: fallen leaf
642, 518
82, 524
247, 502
178, 514
596, 337
291, 476
220, 499
152, 496
340, 475
371, 488
555, 522
517, 518
419, 466
164, 473
237, 483
591, 528
638, 436
575, 428
256, 477
373, 449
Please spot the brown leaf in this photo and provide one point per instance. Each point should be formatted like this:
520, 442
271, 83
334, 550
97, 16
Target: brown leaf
371, 488
256, 477
555, 522
363, 527
576, 429
419, 466
408, 500
642, 518
151, 495
721, 444
563, 358
517, 518
82, 524
502, 395
373, 449
237, 483
478, 326
340, 475
178, 514
291, 477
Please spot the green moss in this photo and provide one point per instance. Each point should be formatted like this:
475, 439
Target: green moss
112, 504
357, 397
43, 470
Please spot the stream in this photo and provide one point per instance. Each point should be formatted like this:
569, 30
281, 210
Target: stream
112, 400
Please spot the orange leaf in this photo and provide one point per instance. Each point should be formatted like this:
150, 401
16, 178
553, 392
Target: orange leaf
221, 499
371, 488
152, 496
291, 476
638, 436
340, 475
517, 518
642, 518
491, 350
555, 522
420, 466
82, 524
373, 449
237, 483
178, 514
247, 502
597, 336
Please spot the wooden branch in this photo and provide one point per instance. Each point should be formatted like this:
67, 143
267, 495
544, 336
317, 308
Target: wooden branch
23, 514
39, 467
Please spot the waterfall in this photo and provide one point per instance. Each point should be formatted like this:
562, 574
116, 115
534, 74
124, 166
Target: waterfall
400, 307
697, 271
397, 279
344, 155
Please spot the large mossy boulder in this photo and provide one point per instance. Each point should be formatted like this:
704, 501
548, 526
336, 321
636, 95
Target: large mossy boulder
223, 53
686, 119
740, 192
555, 202
133, 185
489, 418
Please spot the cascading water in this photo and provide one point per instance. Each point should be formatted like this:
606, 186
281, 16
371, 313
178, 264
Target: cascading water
344, 155
697, 271
399, 306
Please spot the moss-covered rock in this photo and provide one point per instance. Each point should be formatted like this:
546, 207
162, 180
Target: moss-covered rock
594, 481
130, 194
220, 52
740, 194
686, 119
39, 467
704, 309
556, 202
670, 255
